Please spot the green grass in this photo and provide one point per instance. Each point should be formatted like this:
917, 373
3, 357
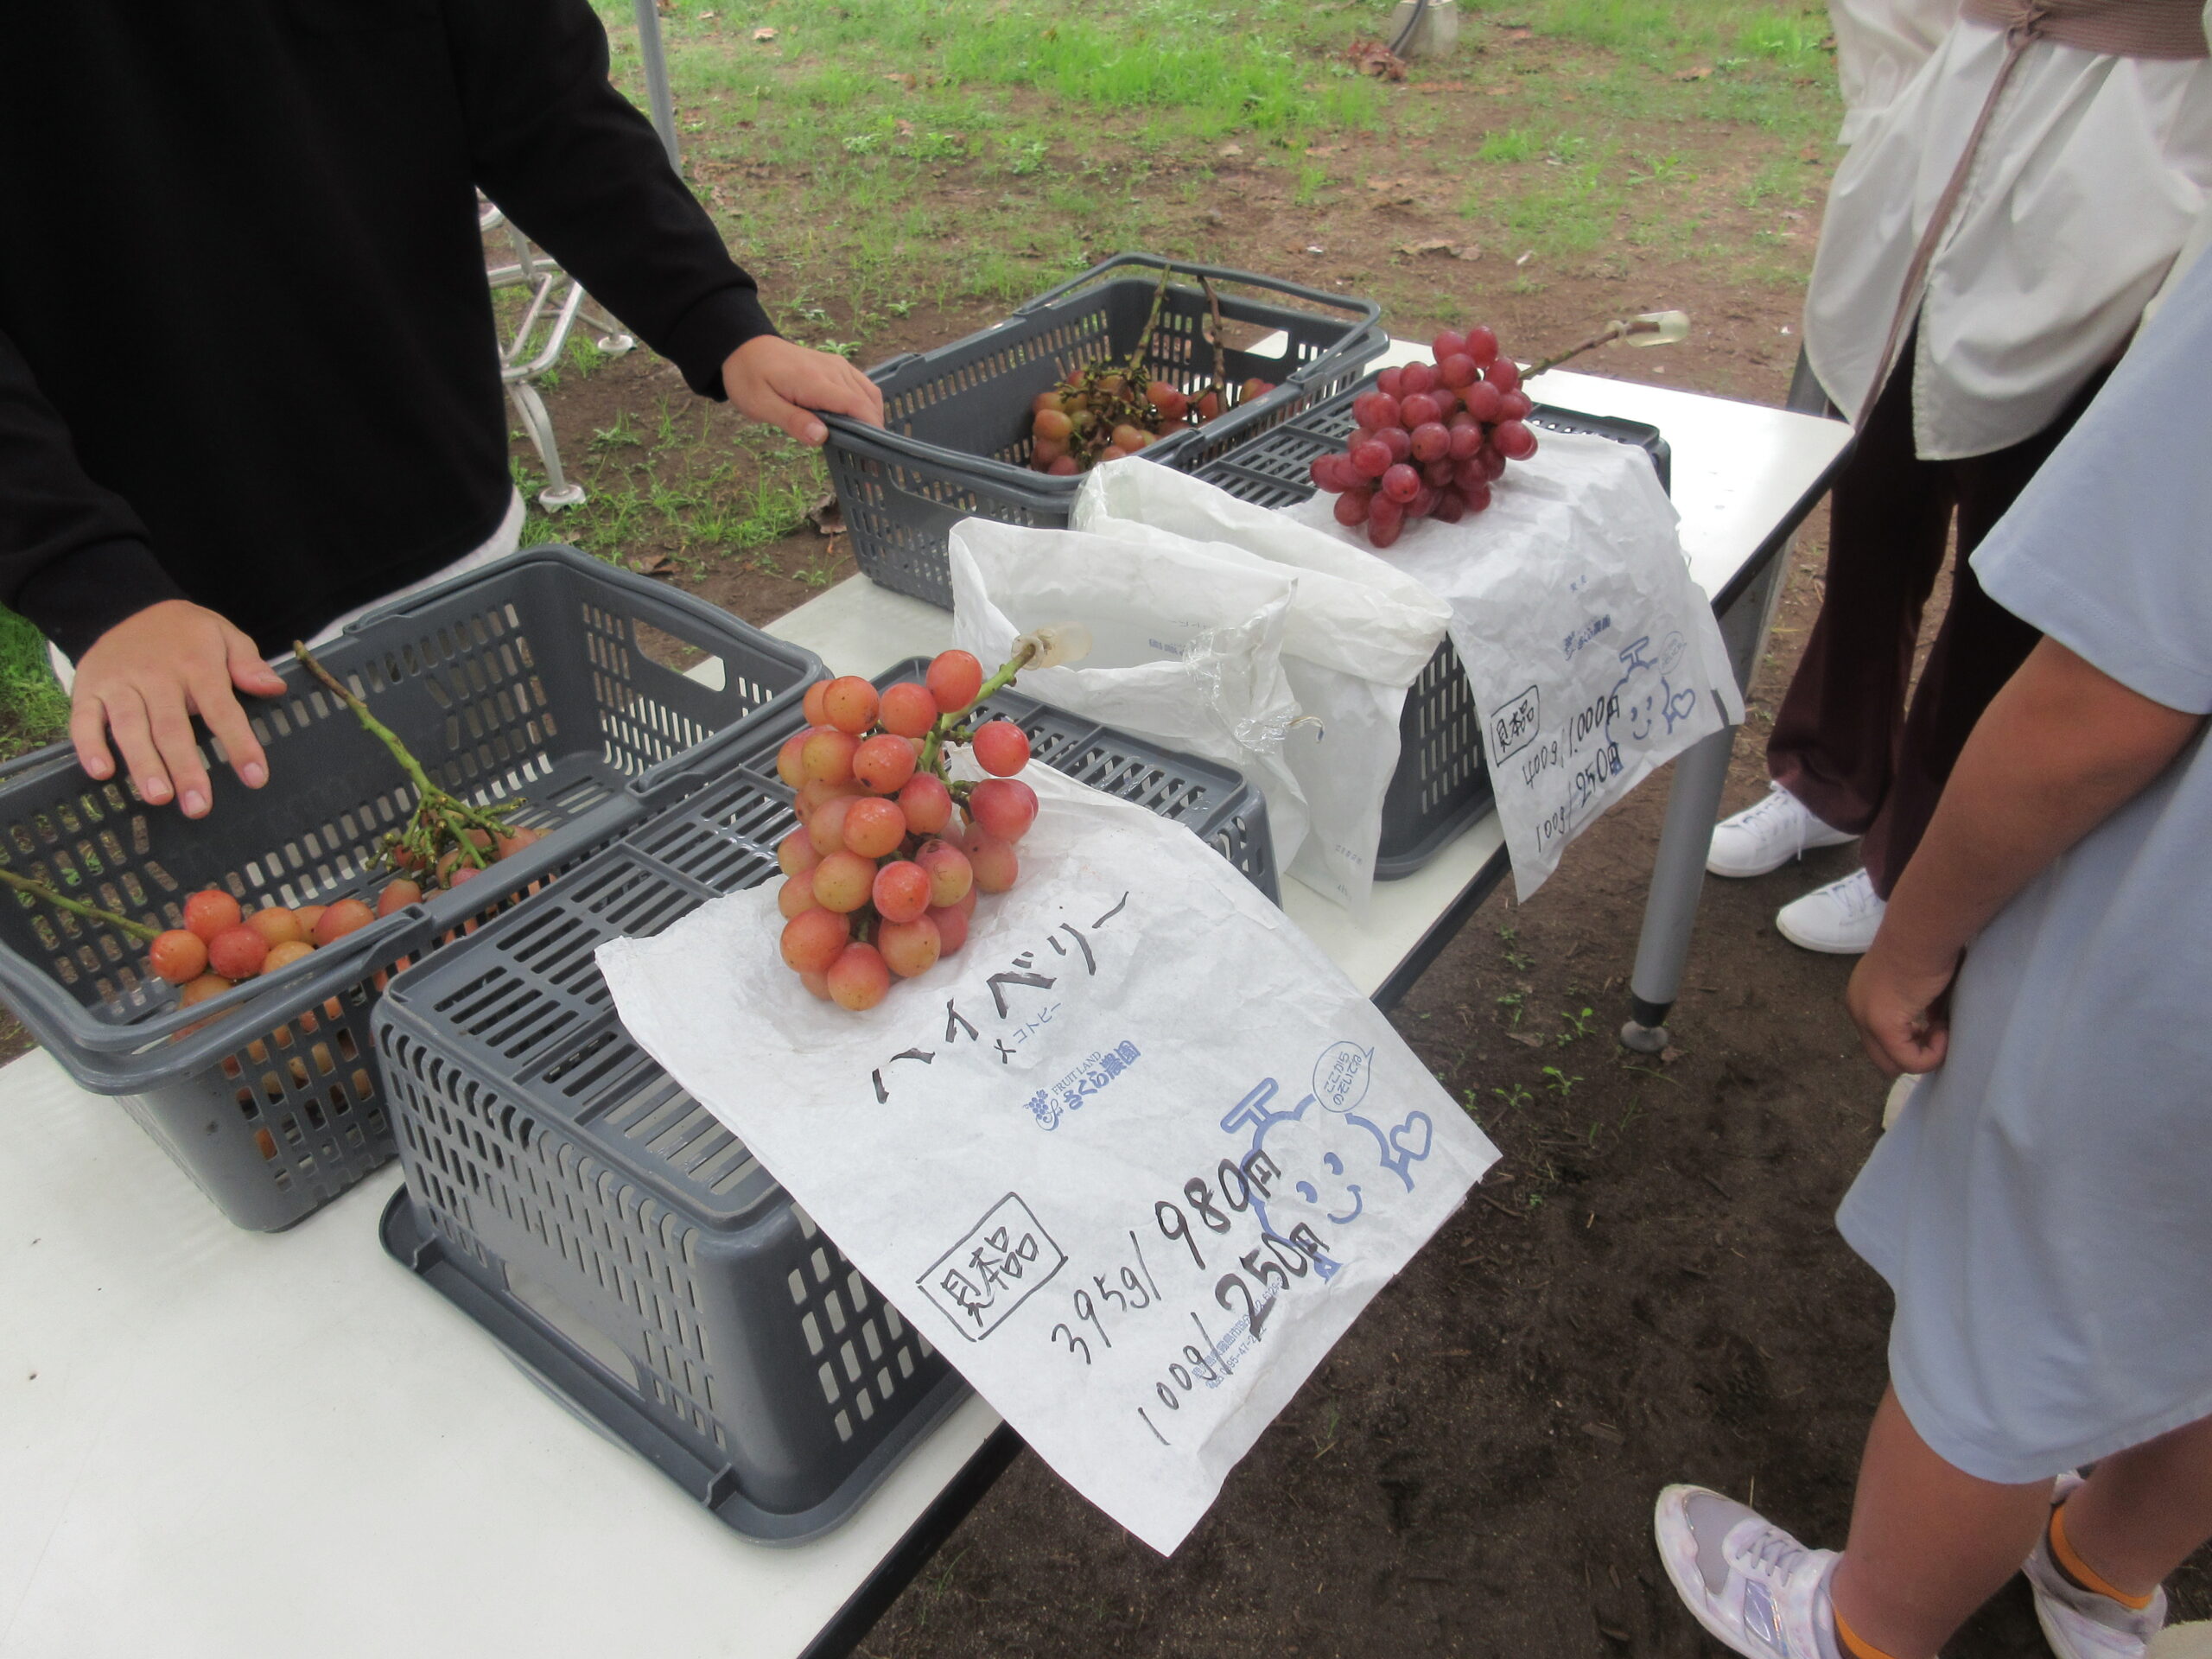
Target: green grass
32, 708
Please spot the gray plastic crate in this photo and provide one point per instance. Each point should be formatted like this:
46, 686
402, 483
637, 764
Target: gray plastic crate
537, 676
570, 1197
956, 442
1441, 785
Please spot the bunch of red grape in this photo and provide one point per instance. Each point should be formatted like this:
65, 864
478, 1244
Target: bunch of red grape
1432, 438
881, 875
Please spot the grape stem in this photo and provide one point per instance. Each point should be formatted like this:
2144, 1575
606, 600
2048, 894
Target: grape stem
438, 814
137, 930
1151, 321
1605, 336
947, 726
1220, 362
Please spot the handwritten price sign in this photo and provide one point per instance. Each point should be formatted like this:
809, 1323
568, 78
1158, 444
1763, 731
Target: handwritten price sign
1134, 1195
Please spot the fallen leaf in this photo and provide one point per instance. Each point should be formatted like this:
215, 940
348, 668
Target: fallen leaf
1668, 1056
1515, 32
1526, 1039
1373, 58
1324, 149
1703, 70
764, 33
1232, 149
1316, 248
826, 517
1605, 1431
1386, 184
1468, 251
1420, 248
659, 565
1810, 153
908, 81
903, 127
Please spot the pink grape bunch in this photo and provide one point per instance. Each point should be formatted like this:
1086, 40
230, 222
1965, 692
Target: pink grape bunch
880, 877
1432, 438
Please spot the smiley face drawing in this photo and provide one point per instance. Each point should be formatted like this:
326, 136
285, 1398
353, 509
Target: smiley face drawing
1329, 1162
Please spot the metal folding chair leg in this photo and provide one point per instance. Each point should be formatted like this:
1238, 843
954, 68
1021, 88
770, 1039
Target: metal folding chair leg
558, 493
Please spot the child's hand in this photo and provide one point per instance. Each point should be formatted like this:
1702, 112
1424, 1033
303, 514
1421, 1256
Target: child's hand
780, 384
145, 677
1902, 1009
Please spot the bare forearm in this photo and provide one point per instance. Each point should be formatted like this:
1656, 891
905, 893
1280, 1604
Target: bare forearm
2062, 747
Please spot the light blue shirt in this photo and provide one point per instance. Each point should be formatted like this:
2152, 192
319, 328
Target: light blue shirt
2044, 1207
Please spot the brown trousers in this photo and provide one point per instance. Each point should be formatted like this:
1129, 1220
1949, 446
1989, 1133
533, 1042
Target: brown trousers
1844, 742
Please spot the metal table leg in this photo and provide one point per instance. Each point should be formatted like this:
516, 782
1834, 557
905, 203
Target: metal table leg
1693, 804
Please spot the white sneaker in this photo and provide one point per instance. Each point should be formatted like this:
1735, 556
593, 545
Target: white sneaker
2081, 1624
1840, 919
1752, 1585
1767, 836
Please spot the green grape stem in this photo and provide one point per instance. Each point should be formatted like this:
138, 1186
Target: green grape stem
1214, 338
438, 815
137, 930
948, 726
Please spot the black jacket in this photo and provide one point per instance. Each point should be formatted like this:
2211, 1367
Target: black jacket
247, 355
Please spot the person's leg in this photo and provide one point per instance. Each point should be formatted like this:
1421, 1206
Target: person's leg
2144, 1511
1979, 647
1929, 1542
1835, 735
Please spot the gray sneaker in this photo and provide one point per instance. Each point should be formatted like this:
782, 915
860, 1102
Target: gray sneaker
1752, 1585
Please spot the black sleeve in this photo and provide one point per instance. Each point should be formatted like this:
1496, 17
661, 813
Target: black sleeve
73, 557
581, 170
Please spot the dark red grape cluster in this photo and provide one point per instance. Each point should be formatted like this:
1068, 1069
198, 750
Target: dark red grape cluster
1432, 438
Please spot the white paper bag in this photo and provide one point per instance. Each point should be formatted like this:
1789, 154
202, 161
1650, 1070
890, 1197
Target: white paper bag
1592, 655
1360, 631
1186, 644
1133, 1160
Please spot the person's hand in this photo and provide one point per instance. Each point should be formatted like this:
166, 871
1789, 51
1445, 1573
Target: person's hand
1902, 1007
779, 384
145, 677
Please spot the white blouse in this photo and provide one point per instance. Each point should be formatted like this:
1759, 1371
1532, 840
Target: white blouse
2092, 173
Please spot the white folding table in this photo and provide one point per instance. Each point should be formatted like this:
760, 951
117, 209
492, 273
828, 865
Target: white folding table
252, 1446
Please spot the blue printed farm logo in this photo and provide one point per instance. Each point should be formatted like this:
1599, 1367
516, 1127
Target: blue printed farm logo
1005, 1258
1048, 1106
